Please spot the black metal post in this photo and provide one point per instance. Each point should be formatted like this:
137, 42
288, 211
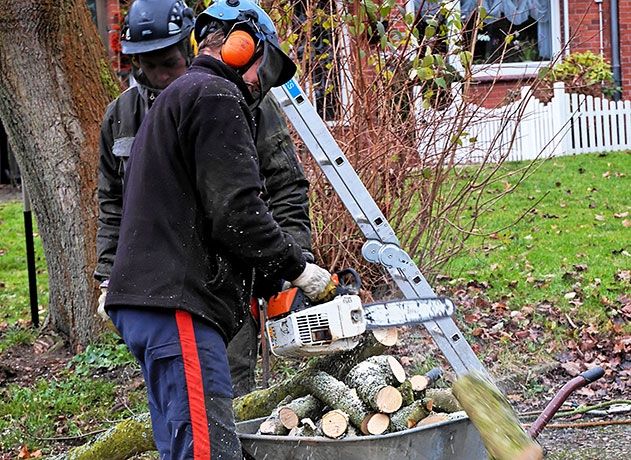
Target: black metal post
30, 256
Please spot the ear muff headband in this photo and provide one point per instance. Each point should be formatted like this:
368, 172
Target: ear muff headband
238, 49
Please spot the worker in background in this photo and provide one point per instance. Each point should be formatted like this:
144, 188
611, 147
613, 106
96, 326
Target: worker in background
157, 34
194, 225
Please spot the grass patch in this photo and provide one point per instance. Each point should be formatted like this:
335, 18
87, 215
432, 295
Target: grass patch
570, 250
72, 401
14, 298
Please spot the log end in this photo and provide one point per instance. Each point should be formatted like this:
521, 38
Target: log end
288, 418
388, 399
387, 337
375, 424
419, 382
334, 424
397, 369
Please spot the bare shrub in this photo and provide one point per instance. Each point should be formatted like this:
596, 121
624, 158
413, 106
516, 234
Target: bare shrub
397, 97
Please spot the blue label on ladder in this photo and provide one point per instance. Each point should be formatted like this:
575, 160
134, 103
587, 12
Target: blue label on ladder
292, 88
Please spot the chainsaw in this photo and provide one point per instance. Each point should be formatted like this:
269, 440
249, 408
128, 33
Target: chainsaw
298, 327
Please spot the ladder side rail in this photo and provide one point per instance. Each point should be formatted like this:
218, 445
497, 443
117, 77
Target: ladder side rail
334, 164
382, 245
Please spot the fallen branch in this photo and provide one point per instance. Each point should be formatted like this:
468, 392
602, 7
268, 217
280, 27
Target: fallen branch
578, 410
585, 424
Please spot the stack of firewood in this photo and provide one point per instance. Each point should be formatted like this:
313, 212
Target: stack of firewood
375, 397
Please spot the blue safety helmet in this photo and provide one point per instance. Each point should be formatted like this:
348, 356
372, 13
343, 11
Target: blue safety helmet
152, 25
276, 67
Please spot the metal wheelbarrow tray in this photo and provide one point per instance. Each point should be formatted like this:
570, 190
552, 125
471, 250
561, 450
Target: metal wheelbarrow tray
454, 439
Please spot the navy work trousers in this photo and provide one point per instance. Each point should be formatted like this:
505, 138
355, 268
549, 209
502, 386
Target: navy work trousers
186, 371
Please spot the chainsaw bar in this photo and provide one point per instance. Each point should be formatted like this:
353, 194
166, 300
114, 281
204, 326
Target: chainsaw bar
410, 311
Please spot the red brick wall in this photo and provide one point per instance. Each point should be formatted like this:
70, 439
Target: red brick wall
584, 35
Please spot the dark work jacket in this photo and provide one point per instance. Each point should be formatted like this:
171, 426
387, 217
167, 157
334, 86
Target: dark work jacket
285, 185
194, 224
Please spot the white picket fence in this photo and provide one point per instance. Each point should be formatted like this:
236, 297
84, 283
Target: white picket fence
527, 129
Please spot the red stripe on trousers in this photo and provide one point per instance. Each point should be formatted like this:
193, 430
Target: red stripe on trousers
194, 386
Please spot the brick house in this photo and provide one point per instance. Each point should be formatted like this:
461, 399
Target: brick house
549, 28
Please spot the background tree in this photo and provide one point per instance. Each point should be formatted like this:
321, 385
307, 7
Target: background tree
55, 84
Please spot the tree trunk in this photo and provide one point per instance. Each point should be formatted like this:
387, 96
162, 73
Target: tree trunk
55, 85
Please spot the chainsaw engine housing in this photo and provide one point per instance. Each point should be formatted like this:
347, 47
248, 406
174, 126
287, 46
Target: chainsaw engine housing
318, 330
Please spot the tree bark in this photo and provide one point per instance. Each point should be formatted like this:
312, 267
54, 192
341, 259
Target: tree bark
272, 424
292, 413
56, 82
335, 394
441, 400
408, 416
122, 441
371, 381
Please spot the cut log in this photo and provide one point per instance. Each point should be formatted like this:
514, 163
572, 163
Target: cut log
138, 437
414, 387
336, 395
272, 424
495, 419
441, 400
433, 418
260, 403
351, 432
334, 424
306, 407
306, 429
407, 417
422, 382
375, 424
387, 337
371, 382
391, 367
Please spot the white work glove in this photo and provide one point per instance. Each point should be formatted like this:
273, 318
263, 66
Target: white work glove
101, 310
315, 282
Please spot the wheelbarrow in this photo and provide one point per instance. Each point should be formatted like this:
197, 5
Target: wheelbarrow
453, 439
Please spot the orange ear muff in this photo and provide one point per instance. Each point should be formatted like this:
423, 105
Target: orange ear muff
238, 49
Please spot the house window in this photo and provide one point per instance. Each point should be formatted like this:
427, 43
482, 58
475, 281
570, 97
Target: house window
526, 22
533, 27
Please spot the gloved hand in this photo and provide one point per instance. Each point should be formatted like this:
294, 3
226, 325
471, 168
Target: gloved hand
101, 310
316, 283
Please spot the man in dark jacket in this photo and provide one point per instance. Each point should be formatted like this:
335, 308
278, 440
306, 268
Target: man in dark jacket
157, 34
194, 225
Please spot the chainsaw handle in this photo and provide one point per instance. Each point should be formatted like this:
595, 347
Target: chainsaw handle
344, 287
585, 378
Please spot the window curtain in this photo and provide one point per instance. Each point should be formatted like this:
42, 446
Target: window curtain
516, 11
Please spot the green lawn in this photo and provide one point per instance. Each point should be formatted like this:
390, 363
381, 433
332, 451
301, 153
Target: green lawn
573, 249
14, 298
